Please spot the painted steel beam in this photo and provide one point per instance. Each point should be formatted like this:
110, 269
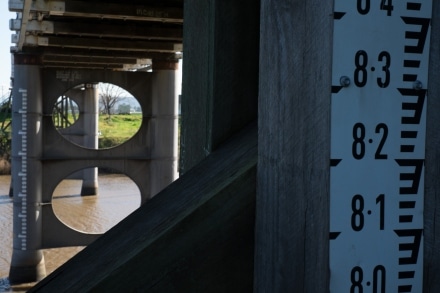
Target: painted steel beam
108, 10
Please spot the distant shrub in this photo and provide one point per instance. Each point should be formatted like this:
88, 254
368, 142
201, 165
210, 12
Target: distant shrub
109, 142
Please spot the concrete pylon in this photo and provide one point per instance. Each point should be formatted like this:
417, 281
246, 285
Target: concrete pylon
90, 118
27, 262
166, 86
84, 132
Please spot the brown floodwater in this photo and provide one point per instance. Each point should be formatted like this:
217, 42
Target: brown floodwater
118, 197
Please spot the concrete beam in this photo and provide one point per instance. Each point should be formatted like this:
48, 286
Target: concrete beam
94, 43
99, 10
24, 21
99, 66
102, 30
100, 53
96, 62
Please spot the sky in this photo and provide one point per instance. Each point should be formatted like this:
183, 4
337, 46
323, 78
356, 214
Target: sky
5, 44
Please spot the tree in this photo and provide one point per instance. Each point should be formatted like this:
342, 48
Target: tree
109, 96
124, 108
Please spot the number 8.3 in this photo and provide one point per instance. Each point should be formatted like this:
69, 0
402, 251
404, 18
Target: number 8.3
361, 70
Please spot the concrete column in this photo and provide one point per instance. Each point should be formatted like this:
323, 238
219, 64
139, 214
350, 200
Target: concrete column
85, 132
27, 264
90, 117
164, 124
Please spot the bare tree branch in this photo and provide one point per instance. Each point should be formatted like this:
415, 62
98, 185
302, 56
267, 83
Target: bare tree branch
109, 96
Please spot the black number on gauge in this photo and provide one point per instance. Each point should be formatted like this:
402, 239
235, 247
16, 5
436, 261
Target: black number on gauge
361, 70
357, 280
359, 141
363, 6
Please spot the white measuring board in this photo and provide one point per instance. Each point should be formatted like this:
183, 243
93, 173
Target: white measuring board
378, 126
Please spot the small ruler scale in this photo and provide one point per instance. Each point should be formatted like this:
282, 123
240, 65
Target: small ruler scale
23, 173
378, 125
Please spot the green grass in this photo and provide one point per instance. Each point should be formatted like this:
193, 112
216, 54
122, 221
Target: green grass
117, 129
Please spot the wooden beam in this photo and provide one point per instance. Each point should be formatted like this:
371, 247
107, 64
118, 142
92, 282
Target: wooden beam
292, 224
220, 74
195, 236
431, 258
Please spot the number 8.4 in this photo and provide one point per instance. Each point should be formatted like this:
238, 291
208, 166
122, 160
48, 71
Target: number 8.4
363, 6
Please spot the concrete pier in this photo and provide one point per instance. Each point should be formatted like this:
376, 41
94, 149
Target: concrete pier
90, 118
27, 262
165, 91
84, 132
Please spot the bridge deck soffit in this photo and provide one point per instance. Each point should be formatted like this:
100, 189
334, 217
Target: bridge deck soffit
114, 34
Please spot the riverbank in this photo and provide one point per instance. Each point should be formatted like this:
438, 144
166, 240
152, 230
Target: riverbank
5, 167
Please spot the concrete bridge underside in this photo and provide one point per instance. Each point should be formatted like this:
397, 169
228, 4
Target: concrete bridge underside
135, 45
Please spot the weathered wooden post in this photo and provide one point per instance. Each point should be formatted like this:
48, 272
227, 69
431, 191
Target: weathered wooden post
294, 146
220, 75
431, 257
342, 114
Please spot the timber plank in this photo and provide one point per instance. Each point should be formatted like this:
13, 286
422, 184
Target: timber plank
431, 258
292, 223
220, 74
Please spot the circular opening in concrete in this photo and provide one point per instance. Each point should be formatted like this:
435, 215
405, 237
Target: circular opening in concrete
94, 206
120, 115
97, 115
65, 113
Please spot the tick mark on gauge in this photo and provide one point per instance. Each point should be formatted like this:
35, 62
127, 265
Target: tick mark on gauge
373, 68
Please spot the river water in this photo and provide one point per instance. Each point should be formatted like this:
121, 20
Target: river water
118, 197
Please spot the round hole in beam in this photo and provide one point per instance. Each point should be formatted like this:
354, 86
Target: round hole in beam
65, 113
97, 115
92, 208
